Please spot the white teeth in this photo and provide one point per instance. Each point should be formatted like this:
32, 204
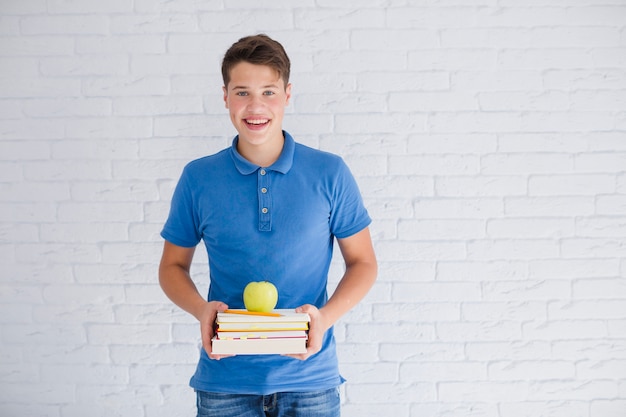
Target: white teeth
256, 121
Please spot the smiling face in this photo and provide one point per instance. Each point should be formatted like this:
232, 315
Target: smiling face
256, 97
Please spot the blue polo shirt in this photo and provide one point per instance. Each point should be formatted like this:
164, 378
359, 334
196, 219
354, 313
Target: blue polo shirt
274, 223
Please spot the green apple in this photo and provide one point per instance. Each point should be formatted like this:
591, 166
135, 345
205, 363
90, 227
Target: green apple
260, 297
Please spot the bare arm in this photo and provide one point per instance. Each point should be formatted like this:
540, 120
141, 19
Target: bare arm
359, 277
177, 285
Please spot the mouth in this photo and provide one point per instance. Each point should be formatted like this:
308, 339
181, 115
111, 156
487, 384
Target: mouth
256, 123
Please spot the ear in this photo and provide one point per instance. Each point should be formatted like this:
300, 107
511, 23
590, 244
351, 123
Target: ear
287, 93
225, 96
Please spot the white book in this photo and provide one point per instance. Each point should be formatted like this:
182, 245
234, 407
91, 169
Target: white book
290, 345
262, 334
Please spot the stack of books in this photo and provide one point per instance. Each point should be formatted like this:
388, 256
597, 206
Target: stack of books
240, 332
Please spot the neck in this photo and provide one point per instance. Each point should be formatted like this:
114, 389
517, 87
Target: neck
262, 155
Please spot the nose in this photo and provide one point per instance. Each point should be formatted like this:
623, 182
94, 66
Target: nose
254, 104
255, 99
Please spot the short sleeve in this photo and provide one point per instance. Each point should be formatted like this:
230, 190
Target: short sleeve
348, 214
181, 227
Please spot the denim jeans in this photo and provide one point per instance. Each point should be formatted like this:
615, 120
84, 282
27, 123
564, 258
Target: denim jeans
282, 404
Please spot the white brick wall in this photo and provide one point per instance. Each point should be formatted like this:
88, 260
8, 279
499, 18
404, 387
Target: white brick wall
489, 139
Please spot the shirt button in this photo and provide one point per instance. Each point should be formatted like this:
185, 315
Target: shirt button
263, 190
262, 172
264, 210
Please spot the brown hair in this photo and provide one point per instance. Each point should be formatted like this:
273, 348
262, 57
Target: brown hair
260, 50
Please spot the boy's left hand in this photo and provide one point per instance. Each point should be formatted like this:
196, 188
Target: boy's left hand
317, 328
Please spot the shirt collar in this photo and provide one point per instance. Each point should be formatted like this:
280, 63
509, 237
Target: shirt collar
283, 163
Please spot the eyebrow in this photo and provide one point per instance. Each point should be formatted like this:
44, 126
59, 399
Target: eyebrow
243, 87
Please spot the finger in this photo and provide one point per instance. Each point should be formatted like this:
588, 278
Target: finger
305, 308
218, 357
206, 344
206, 339
299, 356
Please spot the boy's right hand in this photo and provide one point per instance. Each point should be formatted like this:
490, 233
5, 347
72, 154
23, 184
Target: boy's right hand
207, 325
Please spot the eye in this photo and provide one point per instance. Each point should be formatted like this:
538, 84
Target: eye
269, 93
242, 93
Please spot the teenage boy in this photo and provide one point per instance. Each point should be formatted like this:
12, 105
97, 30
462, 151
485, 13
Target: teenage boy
267, 208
